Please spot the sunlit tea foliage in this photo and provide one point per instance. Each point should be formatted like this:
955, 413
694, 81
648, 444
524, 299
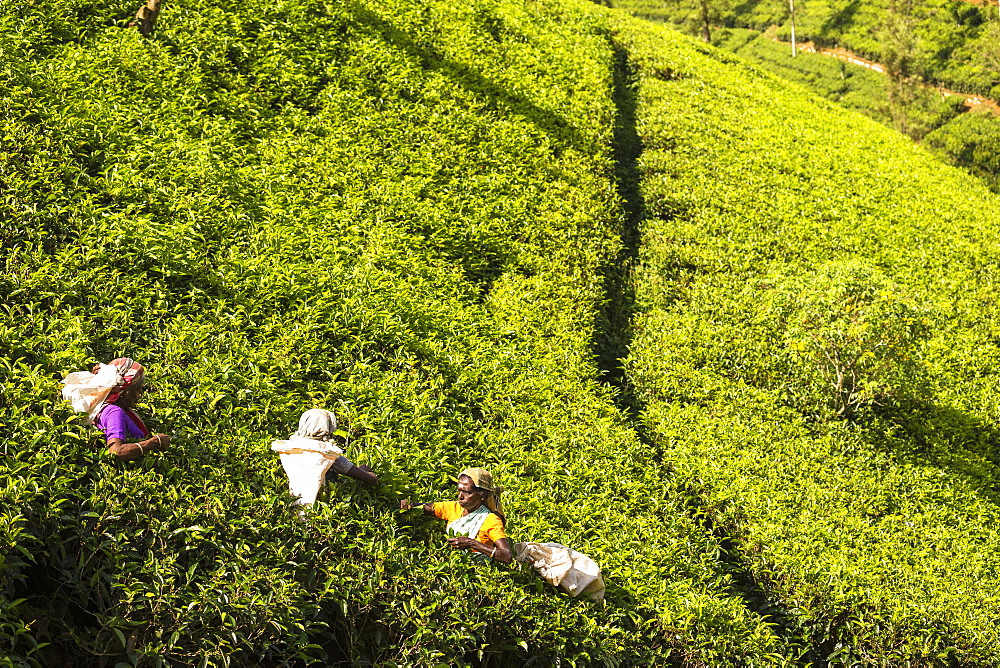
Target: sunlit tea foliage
436, 219
398, 211
876, 535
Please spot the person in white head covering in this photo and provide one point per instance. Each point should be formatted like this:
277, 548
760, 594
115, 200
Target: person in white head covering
308, 455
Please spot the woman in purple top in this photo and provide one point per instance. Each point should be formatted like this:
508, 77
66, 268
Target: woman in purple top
126, 435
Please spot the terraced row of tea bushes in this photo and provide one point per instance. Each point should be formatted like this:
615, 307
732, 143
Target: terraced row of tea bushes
876, 534
971, 141
851, 86
953, 43
962, 139
399, 211
958, 45
958, 139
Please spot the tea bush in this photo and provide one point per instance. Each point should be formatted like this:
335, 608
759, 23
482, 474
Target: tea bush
400, 211
875, 536
971, 141
853, 332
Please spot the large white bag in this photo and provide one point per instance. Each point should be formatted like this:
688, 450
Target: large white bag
573, 572
306, 461
87, 391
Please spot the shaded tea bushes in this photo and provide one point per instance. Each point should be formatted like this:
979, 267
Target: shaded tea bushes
877, 533
397, 211
971, 141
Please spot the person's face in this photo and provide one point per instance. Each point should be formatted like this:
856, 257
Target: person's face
130, 395
468, 497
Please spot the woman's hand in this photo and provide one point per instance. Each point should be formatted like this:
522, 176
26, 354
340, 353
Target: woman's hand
463, 542
405, 504
155, 443
128, 452
500, 552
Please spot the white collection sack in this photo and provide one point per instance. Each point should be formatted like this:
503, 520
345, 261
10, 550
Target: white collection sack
306, 461
573, 572
87, 391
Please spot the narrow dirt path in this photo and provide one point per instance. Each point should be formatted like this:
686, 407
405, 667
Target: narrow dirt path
970, 101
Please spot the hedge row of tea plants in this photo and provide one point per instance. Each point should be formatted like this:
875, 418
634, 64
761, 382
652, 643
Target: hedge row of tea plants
784, 234
852, 86
954, 44
400, 211
971, 141
959, 140
967, 140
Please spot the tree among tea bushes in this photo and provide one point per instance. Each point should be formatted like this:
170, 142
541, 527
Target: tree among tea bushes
857, 336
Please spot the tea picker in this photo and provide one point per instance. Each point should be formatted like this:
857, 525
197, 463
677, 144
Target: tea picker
476, 520
108, 394
307, 456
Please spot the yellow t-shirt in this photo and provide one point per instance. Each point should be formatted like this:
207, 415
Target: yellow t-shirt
489, 533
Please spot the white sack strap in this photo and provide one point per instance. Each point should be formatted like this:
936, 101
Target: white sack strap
469, 525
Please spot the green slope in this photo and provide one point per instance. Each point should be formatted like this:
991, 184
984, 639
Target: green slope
426, 216
877, 535
852, 86
951, 42
399, 211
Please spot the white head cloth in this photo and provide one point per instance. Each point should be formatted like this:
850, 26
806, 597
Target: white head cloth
318, 424
87, 391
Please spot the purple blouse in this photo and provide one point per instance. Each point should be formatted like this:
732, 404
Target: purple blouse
115, 423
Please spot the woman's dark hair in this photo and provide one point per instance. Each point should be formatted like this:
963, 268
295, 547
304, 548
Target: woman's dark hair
503, 518
131, 393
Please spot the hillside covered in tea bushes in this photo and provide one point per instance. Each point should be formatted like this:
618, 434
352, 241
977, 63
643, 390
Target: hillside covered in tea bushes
450, 223
937, 61
952, 43
398, 211
784, 241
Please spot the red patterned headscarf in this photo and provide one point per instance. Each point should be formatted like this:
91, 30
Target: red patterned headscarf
130, 373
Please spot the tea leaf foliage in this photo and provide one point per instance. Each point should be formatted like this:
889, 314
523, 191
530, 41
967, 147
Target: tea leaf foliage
397, 211
787, 220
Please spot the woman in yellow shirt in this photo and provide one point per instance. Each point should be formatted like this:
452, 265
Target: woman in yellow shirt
476, 520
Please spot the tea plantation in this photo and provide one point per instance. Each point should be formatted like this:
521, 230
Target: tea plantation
784, 236
401, 212
949, 43
426, 217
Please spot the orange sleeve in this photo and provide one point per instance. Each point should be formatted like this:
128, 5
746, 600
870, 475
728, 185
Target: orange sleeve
446, 510
491, 531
